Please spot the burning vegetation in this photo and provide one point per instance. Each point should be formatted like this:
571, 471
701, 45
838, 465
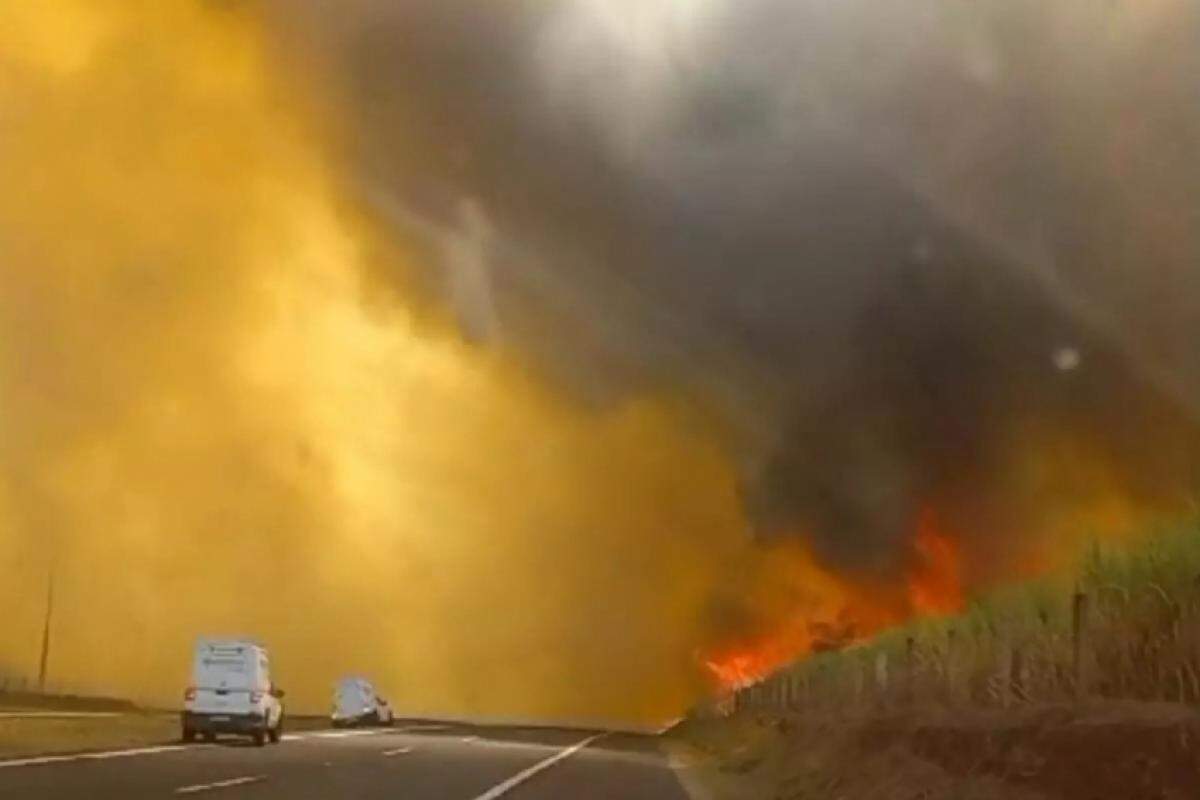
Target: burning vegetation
845, 613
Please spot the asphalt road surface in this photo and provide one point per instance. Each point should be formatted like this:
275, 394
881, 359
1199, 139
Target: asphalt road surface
417, 762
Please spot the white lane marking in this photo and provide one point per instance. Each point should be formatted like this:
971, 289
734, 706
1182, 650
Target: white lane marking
57, 714
343, 734
469, 739
36, 761
208, 787
399, 751
139, 751
501, 789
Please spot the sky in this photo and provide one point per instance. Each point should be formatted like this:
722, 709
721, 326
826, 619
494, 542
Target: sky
519, 354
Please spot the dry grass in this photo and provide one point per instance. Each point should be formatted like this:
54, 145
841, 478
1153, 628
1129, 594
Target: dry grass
37, 736
811, 759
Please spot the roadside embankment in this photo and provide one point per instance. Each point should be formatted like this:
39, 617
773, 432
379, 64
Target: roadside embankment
1113, 751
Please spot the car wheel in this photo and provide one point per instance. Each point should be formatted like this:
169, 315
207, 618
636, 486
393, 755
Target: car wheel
189, 735
260, 738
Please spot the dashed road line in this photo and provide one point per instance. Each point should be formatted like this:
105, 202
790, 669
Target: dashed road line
226, 784
426, 728
399, 751
342, 734
501, 789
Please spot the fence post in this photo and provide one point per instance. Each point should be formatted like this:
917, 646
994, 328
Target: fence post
909, 672
881, 677
1079, 611
1016, 673
951, 668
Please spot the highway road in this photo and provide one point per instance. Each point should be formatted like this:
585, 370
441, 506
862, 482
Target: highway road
415, 762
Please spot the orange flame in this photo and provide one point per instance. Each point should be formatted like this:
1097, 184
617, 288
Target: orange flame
813, 610
935, 582
844, 612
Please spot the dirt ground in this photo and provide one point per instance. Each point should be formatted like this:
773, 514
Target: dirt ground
1111, 752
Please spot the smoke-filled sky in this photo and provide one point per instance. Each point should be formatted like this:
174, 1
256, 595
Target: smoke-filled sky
518, 354
913, 255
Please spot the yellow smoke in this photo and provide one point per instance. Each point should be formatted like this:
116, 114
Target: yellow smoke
207, 427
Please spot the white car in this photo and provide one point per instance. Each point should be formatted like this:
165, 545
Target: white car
355, 702
232, 692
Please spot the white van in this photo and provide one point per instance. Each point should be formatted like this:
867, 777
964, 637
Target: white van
232, 692
355, 702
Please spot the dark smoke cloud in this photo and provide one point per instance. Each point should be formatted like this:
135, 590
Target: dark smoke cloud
895, 244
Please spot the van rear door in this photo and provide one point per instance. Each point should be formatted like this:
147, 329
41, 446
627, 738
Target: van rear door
224, 676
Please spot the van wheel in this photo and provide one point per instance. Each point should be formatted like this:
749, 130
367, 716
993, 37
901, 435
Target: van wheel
260, 738
210, 737
189, 735
276, 733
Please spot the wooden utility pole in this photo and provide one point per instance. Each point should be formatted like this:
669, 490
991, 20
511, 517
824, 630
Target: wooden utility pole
1079, 631
910, 693
46, 634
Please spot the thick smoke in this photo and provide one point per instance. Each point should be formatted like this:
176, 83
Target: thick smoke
970, 395
214, 422
918, 255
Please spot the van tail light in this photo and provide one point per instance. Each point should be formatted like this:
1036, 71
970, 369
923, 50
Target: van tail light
256, 696
189, 693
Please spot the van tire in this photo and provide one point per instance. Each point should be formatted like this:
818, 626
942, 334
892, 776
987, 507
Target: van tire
189, 735
259, 737
210, 737
276, 733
